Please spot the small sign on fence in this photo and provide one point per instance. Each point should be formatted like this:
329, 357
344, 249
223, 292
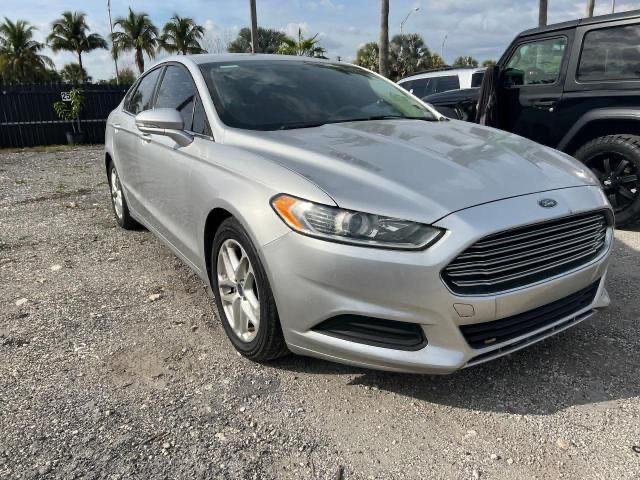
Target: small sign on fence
66, 96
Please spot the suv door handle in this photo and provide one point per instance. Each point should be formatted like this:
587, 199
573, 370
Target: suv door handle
544, 104
145, 137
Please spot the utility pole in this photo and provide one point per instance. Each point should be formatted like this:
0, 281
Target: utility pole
115, 55
254, 26
542, 13
613, 6
590, 6
384, 38
442, 49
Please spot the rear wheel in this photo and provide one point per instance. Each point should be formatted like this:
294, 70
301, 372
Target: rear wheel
243, 296
118, 202
615, 160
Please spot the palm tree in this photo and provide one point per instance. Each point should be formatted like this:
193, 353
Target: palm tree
542, 13
408, 54
182, 35
138, 34
69, 33
465, 62
368, 56
72, 73
269, 41
590, 6
384, 38
303, 47
488, 63
20, 60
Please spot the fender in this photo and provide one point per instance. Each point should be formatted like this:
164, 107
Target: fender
598, 114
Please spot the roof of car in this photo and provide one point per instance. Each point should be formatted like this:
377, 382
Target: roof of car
447, 71
245, 57
582, 21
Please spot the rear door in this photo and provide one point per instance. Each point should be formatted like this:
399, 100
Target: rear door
532, 85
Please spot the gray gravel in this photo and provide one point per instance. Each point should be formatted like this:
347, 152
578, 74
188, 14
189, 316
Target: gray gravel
114, 365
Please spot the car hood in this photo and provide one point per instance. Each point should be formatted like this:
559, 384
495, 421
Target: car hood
413, 169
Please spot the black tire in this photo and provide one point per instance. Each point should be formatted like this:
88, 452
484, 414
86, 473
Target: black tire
615, 160
125, 220
269, 342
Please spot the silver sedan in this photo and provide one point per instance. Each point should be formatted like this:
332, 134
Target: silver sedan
336, 215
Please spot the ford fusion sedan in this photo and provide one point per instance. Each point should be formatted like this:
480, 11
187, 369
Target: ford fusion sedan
336, 215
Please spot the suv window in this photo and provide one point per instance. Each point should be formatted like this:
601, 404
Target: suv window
610, 54
142, 98
178, 91
420, 87
476, 79
444, 84
537, 62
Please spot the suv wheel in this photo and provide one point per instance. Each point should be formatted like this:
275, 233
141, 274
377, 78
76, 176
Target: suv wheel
243, 296
615, 160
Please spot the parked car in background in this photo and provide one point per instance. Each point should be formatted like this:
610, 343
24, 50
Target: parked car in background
574, 86
442, 80
335, 215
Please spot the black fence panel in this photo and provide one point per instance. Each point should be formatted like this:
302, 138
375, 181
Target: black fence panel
27, 117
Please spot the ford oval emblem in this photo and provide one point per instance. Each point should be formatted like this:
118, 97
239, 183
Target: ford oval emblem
547, 203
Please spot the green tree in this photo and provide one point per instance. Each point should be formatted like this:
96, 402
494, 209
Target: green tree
465, 62
70, 33
72, 73
368, 56
70, 111
137, 33
182, 35
20, 58
127, 77
488, 63
436, 61
303, 47
409, 54
269, 41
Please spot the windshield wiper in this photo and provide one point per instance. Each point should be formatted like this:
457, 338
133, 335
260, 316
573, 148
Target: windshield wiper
382, 117
292, 126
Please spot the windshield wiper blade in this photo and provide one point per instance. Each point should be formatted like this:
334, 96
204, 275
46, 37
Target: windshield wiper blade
382, 117
292, 126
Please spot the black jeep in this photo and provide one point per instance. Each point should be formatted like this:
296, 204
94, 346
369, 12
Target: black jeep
574, 86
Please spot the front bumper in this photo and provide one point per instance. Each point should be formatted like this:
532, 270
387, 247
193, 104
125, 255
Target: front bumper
314, 280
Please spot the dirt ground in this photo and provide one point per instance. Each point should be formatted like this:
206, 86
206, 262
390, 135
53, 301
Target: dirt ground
102, 378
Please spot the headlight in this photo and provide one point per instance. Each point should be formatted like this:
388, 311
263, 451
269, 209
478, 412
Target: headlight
331, 223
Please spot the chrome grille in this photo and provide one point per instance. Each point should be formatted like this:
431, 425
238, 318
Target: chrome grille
526, 255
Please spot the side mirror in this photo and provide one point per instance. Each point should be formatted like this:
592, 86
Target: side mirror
164, 121
512, 77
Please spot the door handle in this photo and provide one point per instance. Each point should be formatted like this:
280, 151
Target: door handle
544, 104
145, 137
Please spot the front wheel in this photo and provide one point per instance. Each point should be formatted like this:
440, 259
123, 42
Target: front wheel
615, 160
243, 296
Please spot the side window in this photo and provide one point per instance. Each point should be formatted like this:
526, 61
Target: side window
178, 91
536, 63
610, 54
420, 87
142, 97
476, 79
450, 82
200, 122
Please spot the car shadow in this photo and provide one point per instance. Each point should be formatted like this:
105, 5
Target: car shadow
593, 362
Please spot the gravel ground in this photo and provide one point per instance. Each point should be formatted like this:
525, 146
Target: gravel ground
114, 365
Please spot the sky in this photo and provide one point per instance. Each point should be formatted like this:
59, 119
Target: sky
480, 28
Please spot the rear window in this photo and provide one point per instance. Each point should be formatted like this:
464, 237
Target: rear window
610, 54
444, 84
476, 79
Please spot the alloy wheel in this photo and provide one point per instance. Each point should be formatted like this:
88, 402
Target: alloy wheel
238, 290
619, 178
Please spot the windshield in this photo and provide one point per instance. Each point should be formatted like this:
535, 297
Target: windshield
283, 94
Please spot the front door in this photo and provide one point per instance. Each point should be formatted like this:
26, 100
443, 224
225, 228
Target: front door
532, 82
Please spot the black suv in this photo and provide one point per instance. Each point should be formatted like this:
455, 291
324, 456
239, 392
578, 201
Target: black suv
574, 86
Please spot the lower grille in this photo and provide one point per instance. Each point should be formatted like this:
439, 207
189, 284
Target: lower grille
481, 335
374, 331
529, 254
